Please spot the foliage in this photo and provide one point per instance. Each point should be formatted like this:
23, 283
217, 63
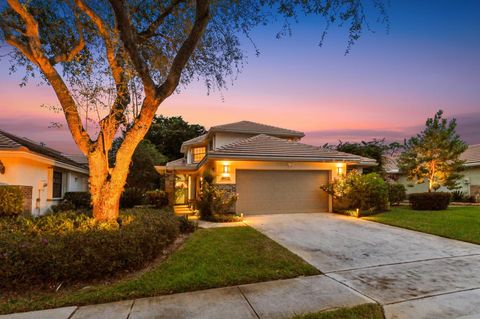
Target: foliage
224, 218
157, 197
11, 200
396, 193
247, 256
375, 149
433, 156
185, 225
142, 169
461, 223
214, 200
366, 311
168, 134
63, 206
367, 192
79, 199
131, 197
70, 247
458, 196
430, 201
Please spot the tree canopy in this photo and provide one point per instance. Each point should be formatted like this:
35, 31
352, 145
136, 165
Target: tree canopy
168, 134
376, 149
112, 63
433, 155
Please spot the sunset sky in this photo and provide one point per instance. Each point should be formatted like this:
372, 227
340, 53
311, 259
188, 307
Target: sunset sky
386, 87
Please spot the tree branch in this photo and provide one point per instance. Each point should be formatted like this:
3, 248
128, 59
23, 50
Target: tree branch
129, 38
67, 57
34, 52
152, 28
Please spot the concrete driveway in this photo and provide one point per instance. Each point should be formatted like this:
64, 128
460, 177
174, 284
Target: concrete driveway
412, 274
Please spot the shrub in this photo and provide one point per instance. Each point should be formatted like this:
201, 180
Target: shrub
214, 200
131, 197
80, 200
458, 196
430, 201
185, 225
63, 206
71, 247
396, 193
366, 192
158, 198
224, 218
472, 199
11, 201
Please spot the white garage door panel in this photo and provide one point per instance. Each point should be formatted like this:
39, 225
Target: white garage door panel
274, 192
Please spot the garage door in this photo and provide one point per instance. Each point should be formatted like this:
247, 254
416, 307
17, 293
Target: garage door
276, 192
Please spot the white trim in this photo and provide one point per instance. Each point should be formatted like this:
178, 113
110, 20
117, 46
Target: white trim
42, 159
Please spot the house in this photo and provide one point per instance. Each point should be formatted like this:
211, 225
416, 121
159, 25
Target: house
267, 166
469, 184
44, 174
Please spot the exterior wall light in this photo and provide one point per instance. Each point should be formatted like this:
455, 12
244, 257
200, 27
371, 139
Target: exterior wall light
226, 170
339, 168
2, 168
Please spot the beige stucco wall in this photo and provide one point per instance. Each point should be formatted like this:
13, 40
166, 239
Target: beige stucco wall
264, 165
471, 177
29, 172
218, 165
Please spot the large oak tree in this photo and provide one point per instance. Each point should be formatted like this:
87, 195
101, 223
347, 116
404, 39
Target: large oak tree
112, 63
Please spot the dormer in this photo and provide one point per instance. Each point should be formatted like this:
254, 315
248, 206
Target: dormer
194, 150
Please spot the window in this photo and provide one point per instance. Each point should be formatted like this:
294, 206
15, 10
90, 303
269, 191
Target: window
57, 184
198, 154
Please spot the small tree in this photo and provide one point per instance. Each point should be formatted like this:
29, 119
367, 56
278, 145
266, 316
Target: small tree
433, 156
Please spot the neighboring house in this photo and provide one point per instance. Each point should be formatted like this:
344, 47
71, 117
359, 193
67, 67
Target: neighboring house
469, 184
267, 166
43, 173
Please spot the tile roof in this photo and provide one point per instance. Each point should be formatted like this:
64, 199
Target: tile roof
471, 155
265, 146
196, 140
255, 128
12, 142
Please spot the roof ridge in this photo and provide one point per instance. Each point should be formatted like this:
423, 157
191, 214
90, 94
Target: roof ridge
262, 125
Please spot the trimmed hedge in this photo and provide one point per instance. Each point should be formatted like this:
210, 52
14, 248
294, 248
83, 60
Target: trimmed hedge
430, 201
69, 247
11, 201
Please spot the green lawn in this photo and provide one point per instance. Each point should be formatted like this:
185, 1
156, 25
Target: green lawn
462, 223
209, 258
367, 311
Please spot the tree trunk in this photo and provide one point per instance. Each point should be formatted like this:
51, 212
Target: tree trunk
106, 187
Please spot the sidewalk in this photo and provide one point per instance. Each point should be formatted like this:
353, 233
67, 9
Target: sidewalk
273, 299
